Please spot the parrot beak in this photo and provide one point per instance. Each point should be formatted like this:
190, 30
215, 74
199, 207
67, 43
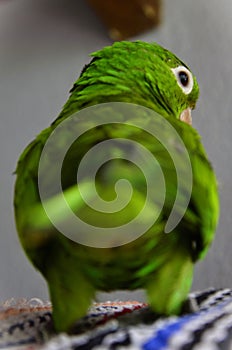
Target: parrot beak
185, 116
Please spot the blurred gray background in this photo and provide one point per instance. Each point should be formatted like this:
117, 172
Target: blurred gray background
43, 47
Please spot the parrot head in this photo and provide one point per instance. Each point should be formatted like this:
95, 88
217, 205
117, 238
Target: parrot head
142, 73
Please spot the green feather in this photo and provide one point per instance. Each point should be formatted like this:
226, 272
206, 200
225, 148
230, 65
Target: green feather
162, 264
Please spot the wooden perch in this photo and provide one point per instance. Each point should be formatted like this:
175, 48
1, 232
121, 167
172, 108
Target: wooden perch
127, 18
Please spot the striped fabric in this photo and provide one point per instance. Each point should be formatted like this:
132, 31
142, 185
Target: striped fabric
27, 324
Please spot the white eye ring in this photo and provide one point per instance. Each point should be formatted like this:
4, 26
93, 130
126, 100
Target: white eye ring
184, 79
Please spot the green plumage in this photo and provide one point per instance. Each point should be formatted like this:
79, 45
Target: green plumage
162, 264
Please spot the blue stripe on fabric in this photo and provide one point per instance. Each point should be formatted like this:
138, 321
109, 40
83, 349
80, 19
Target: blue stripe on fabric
162, 336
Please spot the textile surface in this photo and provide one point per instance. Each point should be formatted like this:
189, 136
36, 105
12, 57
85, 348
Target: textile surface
27, 324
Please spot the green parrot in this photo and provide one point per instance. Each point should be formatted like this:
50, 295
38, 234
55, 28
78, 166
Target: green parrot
130, 93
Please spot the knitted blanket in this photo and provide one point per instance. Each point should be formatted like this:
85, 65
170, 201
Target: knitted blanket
27, 324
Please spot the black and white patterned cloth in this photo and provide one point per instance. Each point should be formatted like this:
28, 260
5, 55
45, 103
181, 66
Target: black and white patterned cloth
27, 324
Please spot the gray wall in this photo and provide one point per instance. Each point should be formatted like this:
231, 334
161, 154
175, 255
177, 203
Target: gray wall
43, 46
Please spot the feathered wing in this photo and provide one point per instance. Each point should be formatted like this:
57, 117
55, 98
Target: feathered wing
159, 262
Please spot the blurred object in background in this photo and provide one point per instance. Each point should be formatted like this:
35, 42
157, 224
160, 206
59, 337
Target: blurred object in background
126, 18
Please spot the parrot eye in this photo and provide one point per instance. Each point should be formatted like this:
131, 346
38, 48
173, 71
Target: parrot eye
184, 79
